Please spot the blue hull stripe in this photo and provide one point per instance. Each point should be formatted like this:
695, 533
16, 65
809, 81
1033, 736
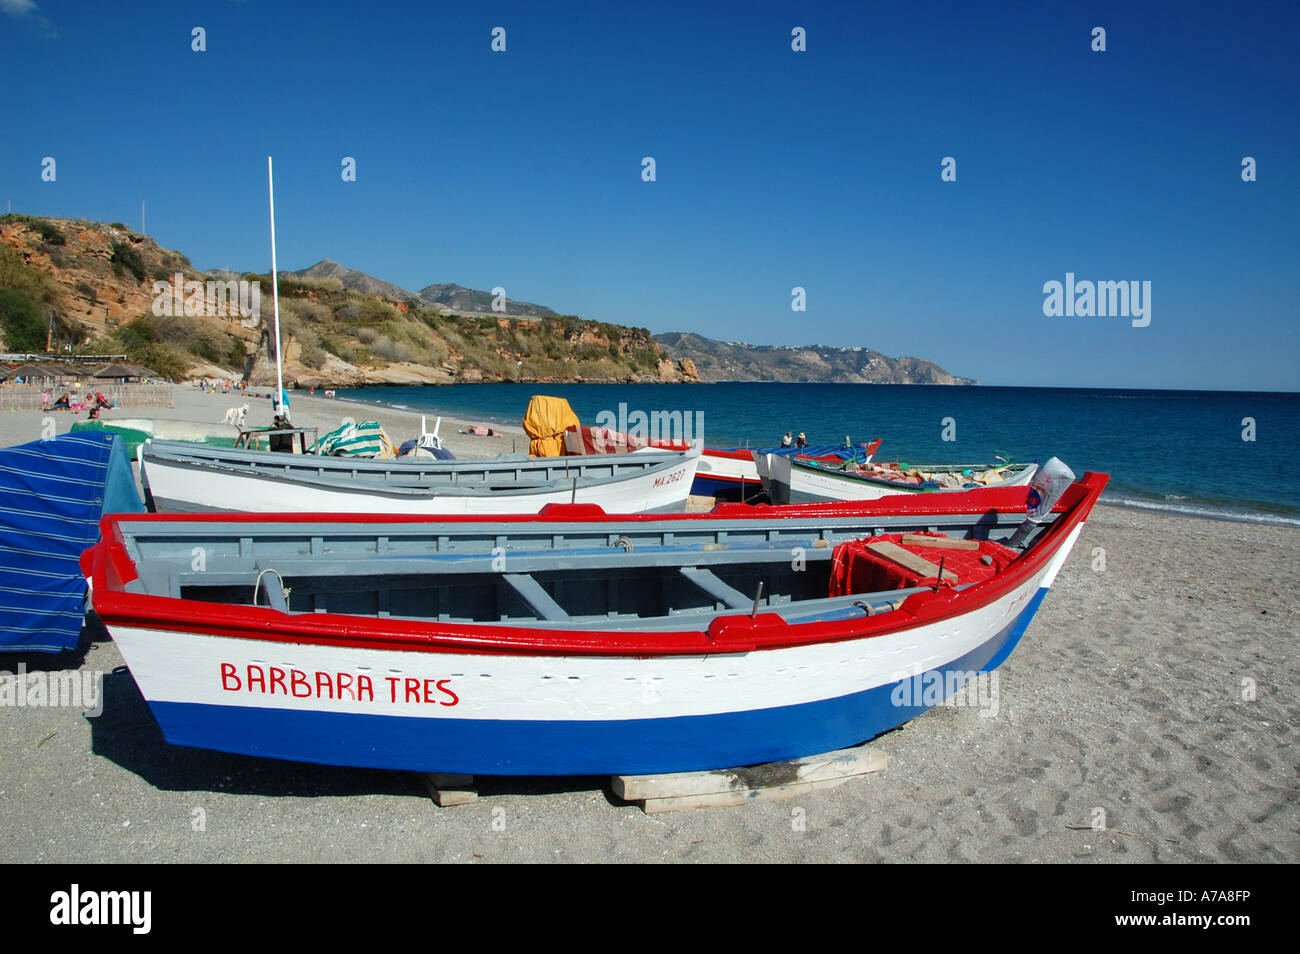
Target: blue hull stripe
712, 486
497, 747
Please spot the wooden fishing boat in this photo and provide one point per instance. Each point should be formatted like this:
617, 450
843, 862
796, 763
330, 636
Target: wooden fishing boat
740, 474
794, 479
192, 478
727, 474
573, 642
137, 431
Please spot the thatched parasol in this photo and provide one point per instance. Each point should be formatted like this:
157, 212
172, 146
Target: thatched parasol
120, 370
36, 371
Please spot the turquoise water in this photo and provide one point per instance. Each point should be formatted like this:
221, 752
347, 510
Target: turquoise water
1170, 450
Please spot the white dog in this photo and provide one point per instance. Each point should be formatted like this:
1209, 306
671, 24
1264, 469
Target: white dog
236, 416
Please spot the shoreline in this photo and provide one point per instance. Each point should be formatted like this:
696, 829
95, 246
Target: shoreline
402, 423
1195, 509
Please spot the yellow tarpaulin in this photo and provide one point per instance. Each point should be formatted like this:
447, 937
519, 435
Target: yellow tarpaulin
545, 421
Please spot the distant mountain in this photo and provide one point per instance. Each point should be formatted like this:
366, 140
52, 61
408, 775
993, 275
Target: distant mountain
355, 280
445, 298
736, 361
461, 299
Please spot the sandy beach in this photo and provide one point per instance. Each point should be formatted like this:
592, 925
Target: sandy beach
1158, 686
191, 404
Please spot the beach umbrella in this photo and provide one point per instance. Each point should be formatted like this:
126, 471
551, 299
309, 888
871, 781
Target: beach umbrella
28, 371
119, 370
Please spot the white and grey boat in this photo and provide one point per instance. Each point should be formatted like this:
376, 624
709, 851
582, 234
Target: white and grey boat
192, 478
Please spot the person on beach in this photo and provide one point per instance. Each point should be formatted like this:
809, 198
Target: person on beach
62, 404
45, 400
788, 439
801, 441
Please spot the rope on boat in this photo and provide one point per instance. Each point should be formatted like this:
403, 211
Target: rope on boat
257, 584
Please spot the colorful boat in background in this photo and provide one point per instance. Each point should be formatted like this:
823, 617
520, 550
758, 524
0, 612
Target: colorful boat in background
802, 479
574, 642
733, 474
738, 473
137, 431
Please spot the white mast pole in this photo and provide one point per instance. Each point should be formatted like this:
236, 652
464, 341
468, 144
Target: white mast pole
280, 406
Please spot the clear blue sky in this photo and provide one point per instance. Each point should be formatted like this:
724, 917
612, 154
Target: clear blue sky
775, 169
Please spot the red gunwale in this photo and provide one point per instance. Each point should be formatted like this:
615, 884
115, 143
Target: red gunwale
732, 454
109, 568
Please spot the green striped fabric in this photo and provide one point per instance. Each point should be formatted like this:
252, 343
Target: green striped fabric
364, 439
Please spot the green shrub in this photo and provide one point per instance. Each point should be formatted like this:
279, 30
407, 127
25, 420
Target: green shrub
126, 258
312, 357
167, 361
22, 321
17, 275
136, 334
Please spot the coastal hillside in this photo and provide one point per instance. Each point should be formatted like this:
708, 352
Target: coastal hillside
736, 361
89, 287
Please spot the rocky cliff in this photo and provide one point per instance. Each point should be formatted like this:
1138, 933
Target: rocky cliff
735, 361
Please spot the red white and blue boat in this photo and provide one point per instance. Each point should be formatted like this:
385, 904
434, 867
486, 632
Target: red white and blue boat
736, 474
572, 642
740, 473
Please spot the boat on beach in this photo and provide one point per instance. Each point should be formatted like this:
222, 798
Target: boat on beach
733, 474
194, 478
738, 473
574, 642
792, 479
137, 431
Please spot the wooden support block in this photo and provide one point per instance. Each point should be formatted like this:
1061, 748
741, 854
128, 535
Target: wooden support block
739, 786
652, 806
906, 558
447, 789
947, 543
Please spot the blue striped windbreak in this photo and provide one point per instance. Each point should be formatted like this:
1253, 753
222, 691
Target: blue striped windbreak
52, 494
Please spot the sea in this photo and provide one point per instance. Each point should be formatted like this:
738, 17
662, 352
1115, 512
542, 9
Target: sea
1231, 455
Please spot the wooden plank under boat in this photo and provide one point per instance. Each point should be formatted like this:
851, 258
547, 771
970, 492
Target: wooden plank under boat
185, 478
570, 642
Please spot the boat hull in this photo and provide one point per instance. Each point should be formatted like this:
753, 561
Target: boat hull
177, 485
729, 475
501, 714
